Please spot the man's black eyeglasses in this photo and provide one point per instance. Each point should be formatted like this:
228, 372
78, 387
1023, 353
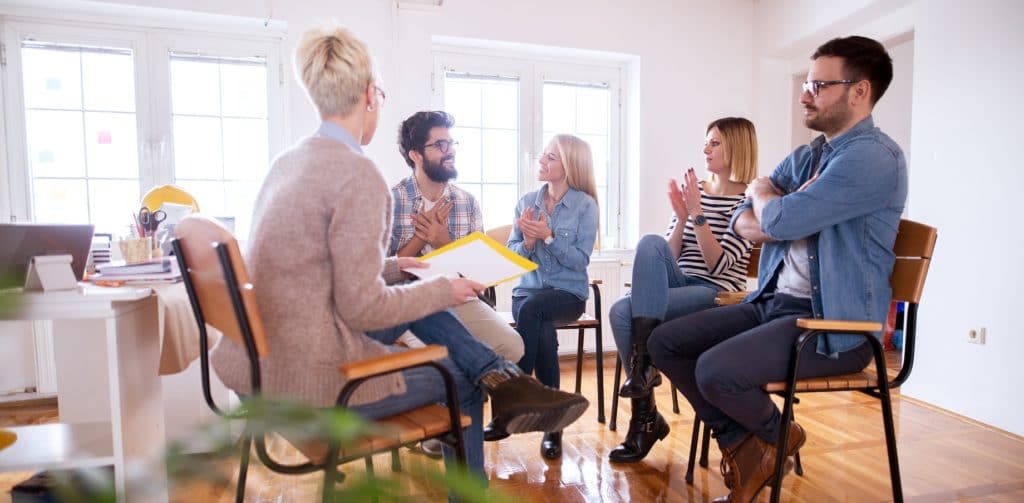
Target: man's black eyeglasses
815, 86
443, 145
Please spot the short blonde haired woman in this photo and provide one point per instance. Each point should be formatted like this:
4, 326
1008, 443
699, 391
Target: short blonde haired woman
556, 227
327, 294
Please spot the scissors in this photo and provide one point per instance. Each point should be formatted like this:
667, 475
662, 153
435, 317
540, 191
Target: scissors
151, 220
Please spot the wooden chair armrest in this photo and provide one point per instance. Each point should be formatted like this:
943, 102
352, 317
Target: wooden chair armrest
596, 282
730, 298
392, 362
838, 325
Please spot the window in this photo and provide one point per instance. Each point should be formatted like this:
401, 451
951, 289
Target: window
506, 111
95, 118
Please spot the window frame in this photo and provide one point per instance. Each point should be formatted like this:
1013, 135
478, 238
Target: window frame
532, 70
151, 48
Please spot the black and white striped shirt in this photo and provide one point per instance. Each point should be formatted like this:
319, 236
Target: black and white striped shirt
731, 270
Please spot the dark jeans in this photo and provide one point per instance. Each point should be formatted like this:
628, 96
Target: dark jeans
720, 358
536, 317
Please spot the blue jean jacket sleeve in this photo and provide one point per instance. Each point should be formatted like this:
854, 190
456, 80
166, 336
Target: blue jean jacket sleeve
575, 255
854, 183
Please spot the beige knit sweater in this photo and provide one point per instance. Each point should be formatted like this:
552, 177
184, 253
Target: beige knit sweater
316, 258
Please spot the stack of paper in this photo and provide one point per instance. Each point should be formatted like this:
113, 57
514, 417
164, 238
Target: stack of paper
161, 270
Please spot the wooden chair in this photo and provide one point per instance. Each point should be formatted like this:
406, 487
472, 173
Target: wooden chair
222, 296
914, 246
583, 323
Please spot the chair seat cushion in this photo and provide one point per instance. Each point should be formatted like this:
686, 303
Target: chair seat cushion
584, 321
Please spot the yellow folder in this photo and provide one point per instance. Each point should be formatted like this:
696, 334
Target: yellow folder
476, 257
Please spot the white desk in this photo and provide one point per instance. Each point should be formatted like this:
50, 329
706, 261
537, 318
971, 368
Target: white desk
104, 338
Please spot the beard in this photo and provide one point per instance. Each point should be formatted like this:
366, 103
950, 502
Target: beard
831, 118
436, 172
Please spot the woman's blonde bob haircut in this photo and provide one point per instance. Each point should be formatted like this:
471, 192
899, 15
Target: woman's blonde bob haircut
335, 69
740, 140
578, 162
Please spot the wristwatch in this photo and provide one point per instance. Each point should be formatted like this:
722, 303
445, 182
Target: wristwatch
550, 239
699, 220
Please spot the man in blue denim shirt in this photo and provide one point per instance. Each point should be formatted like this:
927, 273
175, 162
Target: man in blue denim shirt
828, 218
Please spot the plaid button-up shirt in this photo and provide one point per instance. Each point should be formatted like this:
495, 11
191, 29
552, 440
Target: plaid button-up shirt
464, 218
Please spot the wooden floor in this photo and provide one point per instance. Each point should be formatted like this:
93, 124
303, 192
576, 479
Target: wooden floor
943, 458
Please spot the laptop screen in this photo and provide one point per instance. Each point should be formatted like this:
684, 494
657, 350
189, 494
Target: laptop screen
20, 242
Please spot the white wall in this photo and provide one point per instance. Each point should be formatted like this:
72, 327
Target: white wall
965, 123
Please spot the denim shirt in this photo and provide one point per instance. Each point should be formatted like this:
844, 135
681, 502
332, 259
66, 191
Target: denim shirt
849, 216
563, 263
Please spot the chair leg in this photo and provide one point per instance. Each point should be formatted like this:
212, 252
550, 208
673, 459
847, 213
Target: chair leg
331, 475
798, 467
600, 377
396, 464
890, 442
705, 446
579, 360
615, 392
675, 399
783, 441
243, 467
693, 450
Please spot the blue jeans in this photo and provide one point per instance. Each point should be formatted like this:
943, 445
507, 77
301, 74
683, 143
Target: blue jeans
660, 291
468, 360
537, 315
720, 358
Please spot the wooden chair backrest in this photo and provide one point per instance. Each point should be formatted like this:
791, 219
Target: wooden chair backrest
755, 261
201, 238
915, 243
500, 234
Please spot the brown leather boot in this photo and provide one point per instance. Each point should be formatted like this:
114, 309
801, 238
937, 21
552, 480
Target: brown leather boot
750, 466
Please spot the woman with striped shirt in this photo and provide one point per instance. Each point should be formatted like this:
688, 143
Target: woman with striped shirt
682, 272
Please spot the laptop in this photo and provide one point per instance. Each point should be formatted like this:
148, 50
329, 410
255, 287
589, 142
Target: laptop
20, 242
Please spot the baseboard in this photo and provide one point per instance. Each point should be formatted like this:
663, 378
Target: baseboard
964, 418
28, 400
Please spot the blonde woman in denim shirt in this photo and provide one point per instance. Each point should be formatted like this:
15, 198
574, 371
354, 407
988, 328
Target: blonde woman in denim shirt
556, 227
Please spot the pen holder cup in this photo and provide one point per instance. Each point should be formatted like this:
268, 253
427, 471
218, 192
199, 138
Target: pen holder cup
135, 250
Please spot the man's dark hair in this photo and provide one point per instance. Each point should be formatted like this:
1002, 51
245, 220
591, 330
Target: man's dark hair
414, 131
863, 58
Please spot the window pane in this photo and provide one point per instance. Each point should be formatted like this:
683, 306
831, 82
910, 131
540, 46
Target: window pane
209, 195
60, 201
462, 99
559, 109
499, 204
111, 204
592, 110
108, 82
599, 150
197, 148
239, 201
502, 161
52, 78
246, 154
500, 104
111, 145
467, 155
195, 87
55, 143
244, 90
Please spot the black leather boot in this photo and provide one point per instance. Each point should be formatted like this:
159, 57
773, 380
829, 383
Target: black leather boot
646, 427
551, 445
520, 403
642, 376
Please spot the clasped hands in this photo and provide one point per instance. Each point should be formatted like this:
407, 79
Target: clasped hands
432, 225
533, 229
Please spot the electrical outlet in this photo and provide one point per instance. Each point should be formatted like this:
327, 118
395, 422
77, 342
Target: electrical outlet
976, 336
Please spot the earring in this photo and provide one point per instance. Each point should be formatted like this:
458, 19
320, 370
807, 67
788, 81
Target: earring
369, 108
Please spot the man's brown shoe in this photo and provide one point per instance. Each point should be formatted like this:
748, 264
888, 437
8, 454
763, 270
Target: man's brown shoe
523, 404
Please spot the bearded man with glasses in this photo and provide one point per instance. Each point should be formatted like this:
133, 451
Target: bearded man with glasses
827, 218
